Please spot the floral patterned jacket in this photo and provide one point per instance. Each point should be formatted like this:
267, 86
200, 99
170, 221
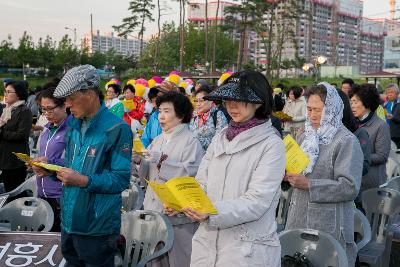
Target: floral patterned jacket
210, 128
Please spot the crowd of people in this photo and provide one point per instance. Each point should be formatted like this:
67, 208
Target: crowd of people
228, 136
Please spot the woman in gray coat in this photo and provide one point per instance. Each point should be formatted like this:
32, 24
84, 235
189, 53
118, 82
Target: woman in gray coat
241, 173
176, 152
323, 194
364, 102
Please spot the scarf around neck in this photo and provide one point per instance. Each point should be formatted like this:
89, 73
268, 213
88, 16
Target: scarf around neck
331, 122
7, 112
235, 128
363, 120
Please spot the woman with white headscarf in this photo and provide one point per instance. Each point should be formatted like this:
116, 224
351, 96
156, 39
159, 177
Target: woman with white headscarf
323, 194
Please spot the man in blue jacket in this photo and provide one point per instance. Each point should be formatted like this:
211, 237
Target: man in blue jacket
97, 160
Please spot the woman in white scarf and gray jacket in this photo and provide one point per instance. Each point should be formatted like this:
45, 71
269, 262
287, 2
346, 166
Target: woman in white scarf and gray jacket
241, 173
323, 194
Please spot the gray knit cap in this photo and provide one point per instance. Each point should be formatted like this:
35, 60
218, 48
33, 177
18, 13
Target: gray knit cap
79, 78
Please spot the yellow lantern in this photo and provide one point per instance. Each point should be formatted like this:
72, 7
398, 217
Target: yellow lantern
174, 78
140, 89
151, 83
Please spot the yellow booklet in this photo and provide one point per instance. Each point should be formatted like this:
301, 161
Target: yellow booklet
138, 146
27, 159
183, 192
129, 104
282, 115
296, 160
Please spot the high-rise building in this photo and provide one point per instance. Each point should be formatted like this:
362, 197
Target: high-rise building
392, 44
108, 41
335, 29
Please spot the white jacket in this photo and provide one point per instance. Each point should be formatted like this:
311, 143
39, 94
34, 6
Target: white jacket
297, 110
242, 178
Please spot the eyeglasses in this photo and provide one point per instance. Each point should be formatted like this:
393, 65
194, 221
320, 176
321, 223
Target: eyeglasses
199, 101
48, 110
9, 92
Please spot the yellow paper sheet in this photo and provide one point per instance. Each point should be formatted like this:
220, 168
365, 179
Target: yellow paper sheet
27, 159
138, 146
183, 192
296, 160
129, 104
282, 115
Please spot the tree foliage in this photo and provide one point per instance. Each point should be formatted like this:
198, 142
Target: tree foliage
168, 56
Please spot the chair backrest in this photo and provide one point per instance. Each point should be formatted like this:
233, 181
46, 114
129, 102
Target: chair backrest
148, 235
28, 214
380, 205
283, 207
28, 186
321, 249
393, 183
362, 229
392, 165
132, 198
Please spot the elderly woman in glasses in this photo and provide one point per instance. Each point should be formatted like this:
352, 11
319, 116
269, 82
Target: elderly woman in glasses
15, 127
208, 121
323, 194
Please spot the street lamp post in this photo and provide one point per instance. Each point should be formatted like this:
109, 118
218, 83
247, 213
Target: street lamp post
74, 31
24, 73
315, 66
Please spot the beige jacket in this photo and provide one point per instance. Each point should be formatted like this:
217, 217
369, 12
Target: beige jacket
297, 109
184, 156
242, 178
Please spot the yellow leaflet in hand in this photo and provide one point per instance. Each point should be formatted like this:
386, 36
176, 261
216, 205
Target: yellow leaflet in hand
282, 115
296, 160
138, 146
23, 157
183, 192
50, 167
129, 104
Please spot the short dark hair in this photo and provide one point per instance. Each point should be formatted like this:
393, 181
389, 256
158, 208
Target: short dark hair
181, 90
368, 95
280, 85
296, 91
115, 87
129, 87
49, 93
206, 90
318, 90
182, 105
348, 81
20, 87
153, 92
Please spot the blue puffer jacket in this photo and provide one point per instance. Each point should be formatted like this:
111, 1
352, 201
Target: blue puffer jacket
104, 155
152, 129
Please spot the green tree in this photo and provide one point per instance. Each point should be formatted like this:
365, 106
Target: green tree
7, 53
45, 51
26, 51
66, 56
141, 11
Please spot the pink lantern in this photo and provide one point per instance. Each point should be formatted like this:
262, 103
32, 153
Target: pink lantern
142, 81
157, 79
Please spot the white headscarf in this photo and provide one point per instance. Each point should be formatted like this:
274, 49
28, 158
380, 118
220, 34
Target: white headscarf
331, 122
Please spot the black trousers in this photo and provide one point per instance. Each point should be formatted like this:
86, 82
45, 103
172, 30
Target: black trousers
55, 206
88, 251
12, 178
